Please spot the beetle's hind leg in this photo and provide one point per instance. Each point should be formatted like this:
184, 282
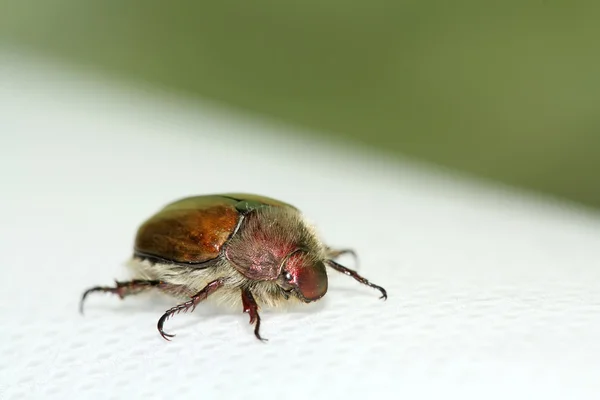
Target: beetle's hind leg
356, 276
251, 308
190, 304
122, 289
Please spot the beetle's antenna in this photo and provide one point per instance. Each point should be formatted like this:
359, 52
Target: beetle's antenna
356, 276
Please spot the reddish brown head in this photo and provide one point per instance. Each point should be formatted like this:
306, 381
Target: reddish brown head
304, 276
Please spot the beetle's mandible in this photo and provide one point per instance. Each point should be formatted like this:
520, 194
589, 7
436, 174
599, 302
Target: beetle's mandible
239, 246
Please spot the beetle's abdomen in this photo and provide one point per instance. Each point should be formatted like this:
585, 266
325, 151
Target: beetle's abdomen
188, 235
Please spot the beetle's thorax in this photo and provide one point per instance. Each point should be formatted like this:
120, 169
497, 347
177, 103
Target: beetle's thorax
266, 237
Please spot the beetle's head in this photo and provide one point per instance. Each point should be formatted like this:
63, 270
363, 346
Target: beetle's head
303, 275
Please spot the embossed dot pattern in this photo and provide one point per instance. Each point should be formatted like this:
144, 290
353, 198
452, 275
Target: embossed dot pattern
492, 294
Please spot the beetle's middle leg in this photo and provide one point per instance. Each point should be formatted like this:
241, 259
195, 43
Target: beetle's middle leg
190, 304
251, 308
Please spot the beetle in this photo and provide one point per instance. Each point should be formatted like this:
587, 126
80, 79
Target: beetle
239, 246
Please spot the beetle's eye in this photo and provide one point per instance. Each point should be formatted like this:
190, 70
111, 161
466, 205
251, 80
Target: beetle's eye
287, 276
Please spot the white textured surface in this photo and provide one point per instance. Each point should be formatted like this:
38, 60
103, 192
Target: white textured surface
492, 295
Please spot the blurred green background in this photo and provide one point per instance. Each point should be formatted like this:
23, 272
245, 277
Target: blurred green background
505, 90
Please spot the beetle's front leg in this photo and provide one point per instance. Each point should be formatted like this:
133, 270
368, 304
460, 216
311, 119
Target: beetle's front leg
192, 303
251, 308
355, 275
335, 253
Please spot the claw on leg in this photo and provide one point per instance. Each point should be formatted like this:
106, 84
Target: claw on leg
190, 304
356, 276
251, 308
